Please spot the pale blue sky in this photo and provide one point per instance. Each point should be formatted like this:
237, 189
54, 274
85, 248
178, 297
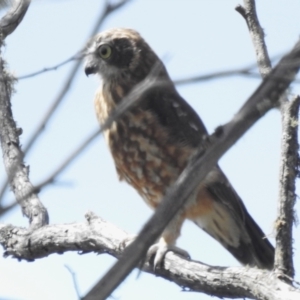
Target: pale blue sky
199, 37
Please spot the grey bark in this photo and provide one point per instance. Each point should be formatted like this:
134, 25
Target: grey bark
98, 236
17, 172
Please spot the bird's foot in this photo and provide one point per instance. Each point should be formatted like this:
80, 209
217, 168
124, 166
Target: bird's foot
159, 250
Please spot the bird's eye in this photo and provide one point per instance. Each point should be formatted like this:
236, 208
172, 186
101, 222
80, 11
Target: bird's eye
105, 51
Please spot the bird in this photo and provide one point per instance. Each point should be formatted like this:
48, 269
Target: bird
153, 141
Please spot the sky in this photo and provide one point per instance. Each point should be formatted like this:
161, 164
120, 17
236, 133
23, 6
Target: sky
199, 37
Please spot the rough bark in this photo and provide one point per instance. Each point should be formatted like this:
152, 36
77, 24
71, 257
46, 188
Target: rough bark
289, 150
17, 172
289, 169
98, 236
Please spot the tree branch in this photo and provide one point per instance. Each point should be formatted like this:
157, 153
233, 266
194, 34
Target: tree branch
74, 281
17, 172
13, 17
289, 150
109, 8
257, 35
53, 68
246, 71
149, 83
289, 170
99, 236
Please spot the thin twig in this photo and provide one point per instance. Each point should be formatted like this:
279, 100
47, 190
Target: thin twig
53, 68
264, 98
109, 8
246, 71
75, 283
214, 75
145, 86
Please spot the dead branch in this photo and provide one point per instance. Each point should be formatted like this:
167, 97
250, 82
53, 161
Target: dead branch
110, 7
17, 172
101, 237
289, 150
257, 35
73, 274
246, 71
145, 86
287, 196
53, 68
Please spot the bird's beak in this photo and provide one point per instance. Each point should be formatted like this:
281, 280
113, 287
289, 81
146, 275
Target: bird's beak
90, 69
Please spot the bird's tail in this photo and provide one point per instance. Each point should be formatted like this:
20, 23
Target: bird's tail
245, 241
263, 251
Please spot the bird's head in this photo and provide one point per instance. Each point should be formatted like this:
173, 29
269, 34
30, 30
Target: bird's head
119, 54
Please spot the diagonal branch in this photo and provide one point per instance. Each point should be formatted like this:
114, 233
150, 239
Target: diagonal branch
110, 7
73, 274
263, 99
101, 237
53, 68
150, 82
17, 172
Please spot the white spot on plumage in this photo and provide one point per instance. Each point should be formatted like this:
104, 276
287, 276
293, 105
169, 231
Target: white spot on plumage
145, 190
194, 126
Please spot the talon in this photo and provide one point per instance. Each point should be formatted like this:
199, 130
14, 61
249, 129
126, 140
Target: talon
159, 251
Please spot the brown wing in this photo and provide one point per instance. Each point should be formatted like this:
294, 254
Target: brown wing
174, 113
186, 129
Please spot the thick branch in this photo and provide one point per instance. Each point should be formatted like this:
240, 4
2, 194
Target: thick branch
9, 136
288, 174
97, 235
